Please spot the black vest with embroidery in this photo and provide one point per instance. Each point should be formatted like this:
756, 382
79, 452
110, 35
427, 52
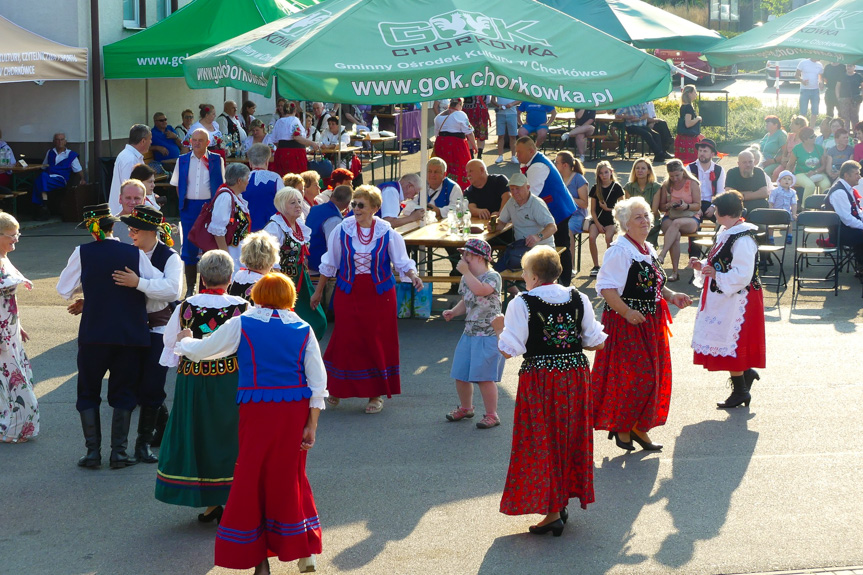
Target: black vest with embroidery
232, 127
289, 256
554, 334
721, 261
204, 321
242, 229
642, 283
242, 290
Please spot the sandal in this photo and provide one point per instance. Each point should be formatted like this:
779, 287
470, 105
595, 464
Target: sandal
333, 401
459, 413
673, 278
375, 405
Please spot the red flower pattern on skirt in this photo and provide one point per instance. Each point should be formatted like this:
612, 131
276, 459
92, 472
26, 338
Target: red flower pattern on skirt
631, 376
552, 443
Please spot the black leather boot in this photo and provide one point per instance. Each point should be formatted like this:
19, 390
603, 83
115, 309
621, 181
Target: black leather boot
146, 431
191, 279
739, 395
161, 422
750, 375
120, 439
92, 427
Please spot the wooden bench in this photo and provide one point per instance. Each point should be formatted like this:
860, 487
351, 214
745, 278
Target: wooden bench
13, 196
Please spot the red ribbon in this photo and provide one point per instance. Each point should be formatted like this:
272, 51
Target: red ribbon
213, 291
665, 314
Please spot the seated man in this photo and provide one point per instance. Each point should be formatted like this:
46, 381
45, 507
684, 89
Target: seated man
394, 194
487, 194
846, 202
750, 181
635, 118
61, 164
660, 126
536, 120
230, 123
316, 124
532, 223
443, 193
166, 143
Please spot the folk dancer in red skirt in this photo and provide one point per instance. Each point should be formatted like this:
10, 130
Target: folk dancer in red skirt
552, 438
688, 127
476, 108
282, 385
454, 141
729, 327
631, 376
362, 357
291, 141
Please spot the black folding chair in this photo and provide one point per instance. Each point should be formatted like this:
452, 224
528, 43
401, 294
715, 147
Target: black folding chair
814, 219
772, 219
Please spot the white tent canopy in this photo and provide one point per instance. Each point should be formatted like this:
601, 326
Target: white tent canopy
28, 57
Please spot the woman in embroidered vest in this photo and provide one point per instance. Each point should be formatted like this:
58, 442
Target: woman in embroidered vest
293, 238
729, 327
631, 377
199, 448
259, 252
19, 411
552, 437
454, 141
362, 356
271, 510
231, 221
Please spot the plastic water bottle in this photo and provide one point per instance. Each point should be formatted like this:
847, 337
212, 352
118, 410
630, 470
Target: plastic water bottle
4, 157
453, 223
375, 125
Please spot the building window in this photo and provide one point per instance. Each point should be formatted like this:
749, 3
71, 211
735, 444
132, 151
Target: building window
131, 14
165, 8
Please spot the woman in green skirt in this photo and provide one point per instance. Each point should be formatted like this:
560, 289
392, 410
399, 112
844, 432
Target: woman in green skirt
199, 448
293, 238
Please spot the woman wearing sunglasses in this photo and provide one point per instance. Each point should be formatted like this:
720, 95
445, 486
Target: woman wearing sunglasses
362, 358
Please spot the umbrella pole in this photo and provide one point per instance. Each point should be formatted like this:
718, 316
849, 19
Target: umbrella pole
424, 153
108, 114
776, 83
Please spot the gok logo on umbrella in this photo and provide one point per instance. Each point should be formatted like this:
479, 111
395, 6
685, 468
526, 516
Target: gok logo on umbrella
457, 25
828, 24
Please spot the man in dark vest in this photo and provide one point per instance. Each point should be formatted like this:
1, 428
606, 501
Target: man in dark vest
848, 205
152, 235
197, 178
113, 335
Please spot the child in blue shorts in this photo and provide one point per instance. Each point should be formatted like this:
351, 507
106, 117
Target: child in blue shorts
477, 359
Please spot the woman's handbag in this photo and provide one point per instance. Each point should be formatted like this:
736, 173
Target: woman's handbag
199, 235
682, 130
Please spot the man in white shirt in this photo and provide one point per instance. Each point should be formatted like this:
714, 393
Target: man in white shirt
405, 190
61, 163
710, 175
316, 124
443, 193
809, 72
132, 155
197, 178
846, 202
230, 123
132, 194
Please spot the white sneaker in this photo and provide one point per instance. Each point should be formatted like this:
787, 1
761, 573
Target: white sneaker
499, 160
564, 137
514, 160
307, 564
581, 158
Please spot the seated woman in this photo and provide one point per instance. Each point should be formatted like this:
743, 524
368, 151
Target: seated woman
806, 163
282, 385
772, 144
797, 124
680, 199
259, 252
257, 135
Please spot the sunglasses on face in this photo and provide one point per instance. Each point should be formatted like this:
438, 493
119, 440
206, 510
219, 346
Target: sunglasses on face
359, 205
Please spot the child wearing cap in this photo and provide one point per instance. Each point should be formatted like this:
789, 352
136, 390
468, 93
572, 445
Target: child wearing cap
477, 359
784, 197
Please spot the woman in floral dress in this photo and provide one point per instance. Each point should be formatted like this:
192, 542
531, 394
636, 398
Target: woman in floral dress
293, 237
19, 412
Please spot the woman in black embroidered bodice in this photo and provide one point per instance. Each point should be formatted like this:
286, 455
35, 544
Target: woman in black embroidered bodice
554, 340
720, 260
643, 283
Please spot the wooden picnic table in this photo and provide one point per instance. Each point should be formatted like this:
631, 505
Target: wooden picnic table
437, 235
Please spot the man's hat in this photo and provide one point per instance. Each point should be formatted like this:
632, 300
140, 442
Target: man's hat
95, 215
707, 143
144, 218
477, 247
518, 179
150, 219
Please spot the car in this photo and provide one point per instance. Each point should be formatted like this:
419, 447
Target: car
695, 64
787, 71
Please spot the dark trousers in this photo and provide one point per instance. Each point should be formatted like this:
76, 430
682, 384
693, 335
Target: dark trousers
854, 238
189, 212
124, 363
561, 238
661, 128
151, 386
653, 139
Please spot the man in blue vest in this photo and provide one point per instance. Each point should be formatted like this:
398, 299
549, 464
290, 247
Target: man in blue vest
61, 163
152, 235
197, 178
323, 219
546, 182
113, 335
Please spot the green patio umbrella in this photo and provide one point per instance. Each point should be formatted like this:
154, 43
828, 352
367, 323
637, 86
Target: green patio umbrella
826, 29
639, 23
395, 51
158, 51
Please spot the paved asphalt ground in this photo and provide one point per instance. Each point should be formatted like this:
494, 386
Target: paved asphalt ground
771, 487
